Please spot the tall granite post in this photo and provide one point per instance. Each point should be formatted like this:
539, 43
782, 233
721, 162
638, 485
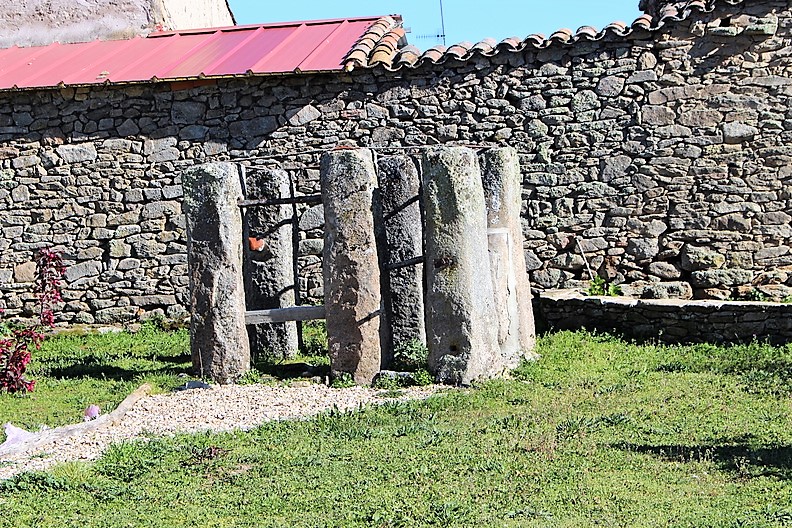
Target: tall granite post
402, 233
269, 263
503, 195
461, 324
218, 338
350, 265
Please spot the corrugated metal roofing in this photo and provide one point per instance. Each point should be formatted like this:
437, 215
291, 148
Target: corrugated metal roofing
294, 47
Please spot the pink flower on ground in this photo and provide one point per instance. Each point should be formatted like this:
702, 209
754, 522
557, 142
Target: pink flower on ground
92, 412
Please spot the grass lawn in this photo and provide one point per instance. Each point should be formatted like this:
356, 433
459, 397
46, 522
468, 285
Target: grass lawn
75, 371
598, 432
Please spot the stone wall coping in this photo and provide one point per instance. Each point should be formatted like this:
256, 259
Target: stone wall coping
562, 295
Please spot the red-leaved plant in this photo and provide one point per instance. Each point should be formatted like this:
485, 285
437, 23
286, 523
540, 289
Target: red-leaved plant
15, 349
49, 271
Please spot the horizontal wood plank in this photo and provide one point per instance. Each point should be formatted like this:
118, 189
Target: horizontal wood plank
312, 199
282, 315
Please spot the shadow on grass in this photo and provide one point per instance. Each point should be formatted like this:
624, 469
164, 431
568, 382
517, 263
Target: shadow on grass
736, 456
102, 367
760, 367
91, 366
293, 370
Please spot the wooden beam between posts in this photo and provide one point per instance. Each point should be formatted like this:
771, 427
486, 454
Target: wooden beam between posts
282, 315
311, 199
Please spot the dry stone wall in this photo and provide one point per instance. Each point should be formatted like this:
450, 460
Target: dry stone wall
664, 155
667, 320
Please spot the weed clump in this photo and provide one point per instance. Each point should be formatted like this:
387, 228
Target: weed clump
343, 380
410, 356
599, 287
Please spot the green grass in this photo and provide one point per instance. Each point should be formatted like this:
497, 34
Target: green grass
314, 336
598, 432
74, 371
311, 361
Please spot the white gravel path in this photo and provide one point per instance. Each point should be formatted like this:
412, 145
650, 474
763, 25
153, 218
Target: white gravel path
219, 408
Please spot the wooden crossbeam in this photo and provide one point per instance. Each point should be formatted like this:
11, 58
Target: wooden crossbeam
405, 263
283, 315
312, 199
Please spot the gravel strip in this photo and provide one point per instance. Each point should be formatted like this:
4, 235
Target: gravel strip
219, 408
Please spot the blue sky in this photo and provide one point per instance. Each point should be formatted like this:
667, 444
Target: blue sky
464, 19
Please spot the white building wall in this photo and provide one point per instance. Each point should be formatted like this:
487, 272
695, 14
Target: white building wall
41, 22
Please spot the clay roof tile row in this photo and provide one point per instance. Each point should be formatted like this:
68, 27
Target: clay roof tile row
379, 43
377, 48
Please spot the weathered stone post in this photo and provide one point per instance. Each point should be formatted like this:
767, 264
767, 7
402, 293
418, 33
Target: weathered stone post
503, 195
402, 231
461, 326
350, 265
269, 263
218, 338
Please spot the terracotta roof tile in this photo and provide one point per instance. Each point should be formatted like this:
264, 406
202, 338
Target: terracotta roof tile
563, 36
460, 50
620, 28
642, 22
514, 43
434, 54
357, 55
589, 32
381, 56
407, 56
388, 45
486, 46
382, 40
385, 43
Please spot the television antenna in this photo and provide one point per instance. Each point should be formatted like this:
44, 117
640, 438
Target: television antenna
441, 33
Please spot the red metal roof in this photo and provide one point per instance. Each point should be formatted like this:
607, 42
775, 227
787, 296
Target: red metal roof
294, 47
